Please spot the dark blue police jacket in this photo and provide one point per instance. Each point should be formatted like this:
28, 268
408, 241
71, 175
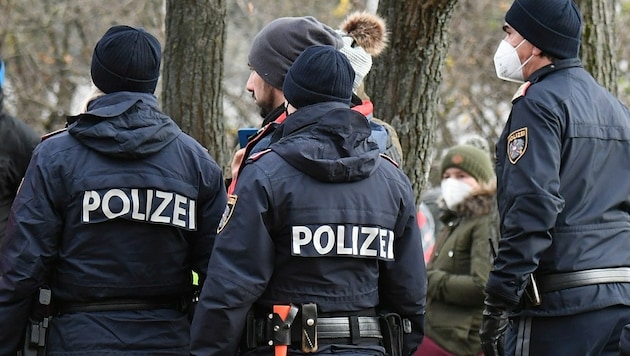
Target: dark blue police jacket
563, 169
120, 205
321, 217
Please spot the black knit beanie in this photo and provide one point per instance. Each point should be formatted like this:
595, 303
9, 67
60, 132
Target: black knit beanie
319, 74
126, 59
554, 26
471, 160
279, 43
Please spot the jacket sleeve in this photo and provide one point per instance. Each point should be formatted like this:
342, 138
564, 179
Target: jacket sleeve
529, 200
466, 289
240, 267
27, 252
212, 202
402, 282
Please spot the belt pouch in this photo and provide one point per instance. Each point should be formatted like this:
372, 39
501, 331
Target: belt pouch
392, 330
250, 331
309, 328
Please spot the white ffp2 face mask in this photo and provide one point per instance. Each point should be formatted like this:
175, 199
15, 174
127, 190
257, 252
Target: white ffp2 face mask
507, 64
454, 191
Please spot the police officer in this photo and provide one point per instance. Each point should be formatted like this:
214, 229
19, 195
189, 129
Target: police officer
275, 48
320, 227
563, 162
18, 141
113, 214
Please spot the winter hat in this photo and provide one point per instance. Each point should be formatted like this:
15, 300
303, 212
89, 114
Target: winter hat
364, 35
279, 43
470, 159
319, 74
554, 26
126, 59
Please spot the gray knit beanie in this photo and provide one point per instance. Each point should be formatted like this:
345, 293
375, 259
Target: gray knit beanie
554, 26
126, 59
279, 43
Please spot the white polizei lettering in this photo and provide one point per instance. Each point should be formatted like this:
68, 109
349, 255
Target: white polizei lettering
302, 236
126, 204
382, 236
149, 202
372, 233
91, 202
178, 211
192, 215
330, 240
170, 208
341, 241
135, 206
157, 214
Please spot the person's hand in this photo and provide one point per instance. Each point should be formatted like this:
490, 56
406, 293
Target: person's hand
236, 162
493, 327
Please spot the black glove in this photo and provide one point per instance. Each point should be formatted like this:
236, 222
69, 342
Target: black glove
493, 326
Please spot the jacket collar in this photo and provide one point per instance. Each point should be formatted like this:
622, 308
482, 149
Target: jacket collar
555, 66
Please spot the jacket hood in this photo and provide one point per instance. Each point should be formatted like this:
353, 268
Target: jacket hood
329, 142
124, 125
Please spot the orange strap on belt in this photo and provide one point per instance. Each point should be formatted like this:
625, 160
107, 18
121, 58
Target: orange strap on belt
283, 312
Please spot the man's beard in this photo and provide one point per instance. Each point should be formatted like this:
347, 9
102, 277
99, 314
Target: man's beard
266, 107
264, 98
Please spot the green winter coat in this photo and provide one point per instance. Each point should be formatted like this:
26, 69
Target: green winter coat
457, 274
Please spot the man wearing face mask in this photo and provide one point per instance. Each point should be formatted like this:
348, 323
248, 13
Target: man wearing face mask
461, 260
563, 162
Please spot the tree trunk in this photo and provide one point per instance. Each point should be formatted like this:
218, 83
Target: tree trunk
404, 83
599, 42
193, 71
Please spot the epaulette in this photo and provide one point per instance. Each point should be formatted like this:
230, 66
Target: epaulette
389, 159
521, 90
257, 155
51, 134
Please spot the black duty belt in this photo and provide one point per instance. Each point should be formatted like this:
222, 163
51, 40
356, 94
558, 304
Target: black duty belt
120, 304
306, 329
560, 281
341, 327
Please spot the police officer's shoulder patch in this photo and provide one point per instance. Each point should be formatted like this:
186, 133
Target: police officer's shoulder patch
521, 91
516, 144
227, 213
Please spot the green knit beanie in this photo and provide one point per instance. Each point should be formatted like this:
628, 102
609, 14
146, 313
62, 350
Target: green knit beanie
470, 159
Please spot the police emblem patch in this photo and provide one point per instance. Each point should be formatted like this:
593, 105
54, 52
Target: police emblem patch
227, 213
517, 144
